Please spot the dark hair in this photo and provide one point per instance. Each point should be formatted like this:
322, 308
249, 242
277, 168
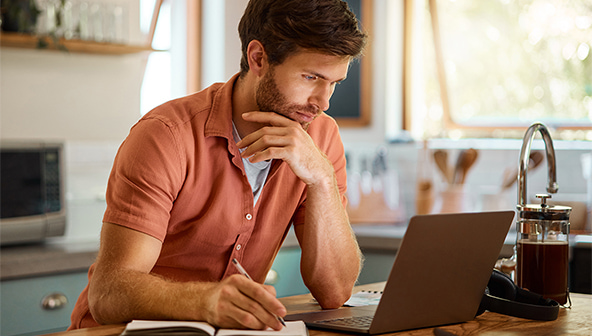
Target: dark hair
285, 26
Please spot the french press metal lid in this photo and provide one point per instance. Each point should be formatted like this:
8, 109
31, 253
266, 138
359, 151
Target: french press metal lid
544, 211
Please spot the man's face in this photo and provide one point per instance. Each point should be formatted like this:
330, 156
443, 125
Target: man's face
300, 87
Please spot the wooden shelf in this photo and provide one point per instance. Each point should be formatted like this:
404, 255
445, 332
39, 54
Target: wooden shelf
16, 40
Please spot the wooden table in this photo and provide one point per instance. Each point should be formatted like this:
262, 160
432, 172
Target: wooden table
574, 321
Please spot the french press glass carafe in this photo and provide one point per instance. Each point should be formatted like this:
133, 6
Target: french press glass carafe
542, 249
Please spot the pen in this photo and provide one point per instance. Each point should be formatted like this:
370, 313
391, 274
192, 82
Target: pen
242, 271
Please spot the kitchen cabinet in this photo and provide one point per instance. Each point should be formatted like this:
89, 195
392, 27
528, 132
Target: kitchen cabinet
39, 305
286, 278
377, 266
580, 267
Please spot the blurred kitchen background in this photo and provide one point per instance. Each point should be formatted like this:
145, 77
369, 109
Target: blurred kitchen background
441, 79
506, 65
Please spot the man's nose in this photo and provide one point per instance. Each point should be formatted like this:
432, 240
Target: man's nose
321, 97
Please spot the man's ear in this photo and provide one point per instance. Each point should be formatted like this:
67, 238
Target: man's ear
257, 58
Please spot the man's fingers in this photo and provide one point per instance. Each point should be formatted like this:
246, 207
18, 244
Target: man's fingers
270, 143
233, 316
253, 306
268, 131
270, 146
263, 296
253, 315
270, 118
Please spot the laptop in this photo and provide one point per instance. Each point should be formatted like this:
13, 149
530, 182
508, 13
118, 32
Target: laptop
439, 276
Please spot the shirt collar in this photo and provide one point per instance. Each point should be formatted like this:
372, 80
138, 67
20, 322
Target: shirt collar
219, 121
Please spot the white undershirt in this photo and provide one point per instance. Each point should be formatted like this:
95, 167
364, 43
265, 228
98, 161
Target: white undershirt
256, 172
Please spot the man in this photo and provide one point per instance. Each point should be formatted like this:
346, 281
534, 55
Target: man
224, 173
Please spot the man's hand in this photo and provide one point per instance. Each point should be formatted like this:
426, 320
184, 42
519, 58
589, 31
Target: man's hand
238, 302
285, 139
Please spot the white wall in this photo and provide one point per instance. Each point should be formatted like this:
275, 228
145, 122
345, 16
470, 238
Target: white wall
57, 95
233, 12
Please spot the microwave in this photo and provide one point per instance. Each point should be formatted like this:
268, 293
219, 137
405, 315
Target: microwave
32, 192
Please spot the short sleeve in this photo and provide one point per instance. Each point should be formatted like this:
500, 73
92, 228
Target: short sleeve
146, 177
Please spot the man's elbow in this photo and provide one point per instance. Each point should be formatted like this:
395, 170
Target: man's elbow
105, 315
99, 317
99, 307
99, 313
333, 301
334, 297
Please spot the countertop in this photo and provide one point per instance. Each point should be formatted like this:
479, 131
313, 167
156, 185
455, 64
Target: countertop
46, 259
67, 257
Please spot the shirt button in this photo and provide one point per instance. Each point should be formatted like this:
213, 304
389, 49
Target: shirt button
238, 247
249, 216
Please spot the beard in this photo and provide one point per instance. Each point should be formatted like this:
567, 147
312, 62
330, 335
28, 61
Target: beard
270, 99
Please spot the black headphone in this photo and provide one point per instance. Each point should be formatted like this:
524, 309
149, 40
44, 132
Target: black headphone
504, 297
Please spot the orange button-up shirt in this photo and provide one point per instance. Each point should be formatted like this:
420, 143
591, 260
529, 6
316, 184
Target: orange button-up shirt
179, 177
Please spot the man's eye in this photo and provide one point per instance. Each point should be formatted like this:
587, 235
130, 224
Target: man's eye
309, 77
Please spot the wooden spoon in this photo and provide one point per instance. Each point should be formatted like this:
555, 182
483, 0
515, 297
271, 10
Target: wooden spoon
535, 159
511, 176
441, 159
465, 161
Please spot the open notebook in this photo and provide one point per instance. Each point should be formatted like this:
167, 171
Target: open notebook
439, 276
172, 328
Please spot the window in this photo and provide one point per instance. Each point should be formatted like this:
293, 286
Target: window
503, 64
164, 78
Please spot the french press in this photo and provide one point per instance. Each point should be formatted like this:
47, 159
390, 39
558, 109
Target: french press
542, 242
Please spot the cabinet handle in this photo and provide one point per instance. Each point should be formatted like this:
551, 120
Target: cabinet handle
54, 301
272, 278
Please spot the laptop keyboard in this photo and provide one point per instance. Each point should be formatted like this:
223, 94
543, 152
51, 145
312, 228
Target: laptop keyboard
354, 321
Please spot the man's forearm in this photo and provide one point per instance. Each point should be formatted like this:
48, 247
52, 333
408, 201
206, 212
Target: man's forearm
330, 254
119, 296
